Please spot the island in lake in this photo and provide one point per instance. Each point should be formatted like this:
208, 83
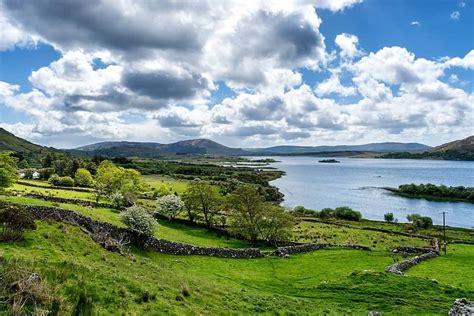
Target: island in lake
329, 161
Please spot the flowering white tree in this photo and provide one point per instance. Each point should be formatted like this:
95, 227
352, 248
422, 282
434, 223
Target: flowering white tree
170, 205
138, 219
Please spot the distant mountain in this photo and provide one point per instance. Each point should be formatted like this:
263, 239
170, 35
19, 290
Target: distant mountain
457, 150
10, 142
148, 149
374, 147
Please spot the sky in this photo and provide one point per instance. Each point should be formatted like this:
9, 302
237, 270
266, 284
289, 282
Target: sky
243, 73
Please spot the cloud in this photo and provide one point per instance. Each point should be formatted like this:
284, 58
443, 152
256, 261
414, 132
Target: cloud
333, 85
164, 60
467, 62
415, 23
455, 15
348, 45
240, 51
335, 5
161, 84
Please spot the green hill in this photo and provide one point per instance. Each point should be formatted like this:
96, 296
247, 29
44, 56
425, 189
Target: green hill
462, 149
10, 142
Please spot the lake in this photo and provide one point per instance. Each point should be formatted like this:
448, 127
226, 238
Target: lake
357, 182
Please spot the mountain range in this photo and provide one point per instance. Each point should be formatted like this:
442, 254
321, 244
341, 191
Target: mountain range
453, 150
206, 146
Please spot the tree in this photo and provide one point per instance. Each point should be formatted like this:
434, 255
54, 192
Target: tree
138, 219
246, 211
254, 219
83, 178
14, 221
276, 223
170, 205
389, 218
200, 197
111, 178
8, 172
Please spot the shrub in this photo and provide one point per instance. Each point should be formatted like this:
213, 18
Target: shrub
116, 199
138, 219
170, 205
420, 221
389, 218
302, 211
14, 221
25, 291
347, 213
46, 173
326, 213
61, 181
120, 200
83, 178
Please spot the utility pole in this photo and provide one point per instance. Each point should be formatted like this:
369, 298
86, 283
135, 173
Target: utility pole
444, 231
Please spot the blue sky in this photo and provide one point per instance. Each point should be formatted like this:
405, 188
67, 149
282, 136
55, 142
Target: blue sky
258, 75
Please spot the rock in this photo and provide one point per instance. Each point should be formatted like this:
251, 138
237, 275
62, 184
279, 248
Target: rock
374, 313
462, 307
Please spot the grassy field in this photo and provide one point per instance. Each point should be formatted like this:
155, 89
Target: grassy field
435, 231
329, 282
194, 235
325, 233
455, 269
174, 185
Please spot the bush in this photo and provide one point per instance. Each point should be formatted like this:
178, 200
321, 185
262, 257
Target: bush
120, 200
347, 213
170, 205
326, 213
420, 221
389, 218
302, 211
46, 173
138, 219
116, 199
14, 221
61, 181
83, 178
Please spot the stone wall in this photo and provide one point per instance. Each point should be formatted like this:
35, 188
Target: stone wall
462, 307
56, 199
412, 249
399, 267
135, 238
285, 251
77, 189
100, 231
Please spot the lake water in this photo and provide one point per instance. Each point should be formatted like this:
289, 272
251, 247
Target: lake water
357, 183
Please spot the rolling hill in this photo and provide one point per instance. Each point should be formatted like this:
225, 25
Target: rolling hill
148, 149
462, 149
206, 146
10, 142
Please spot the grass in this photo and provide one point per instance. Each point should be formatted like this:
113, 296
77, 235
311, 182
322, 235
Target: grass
174, 185
332, 282
68, 194
455, 269
313, 232
179, 232
435, 231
